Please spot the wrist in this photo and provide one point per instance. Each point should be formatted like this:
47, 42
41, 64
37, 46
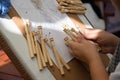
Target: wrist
94, 59
94, 62
97, 70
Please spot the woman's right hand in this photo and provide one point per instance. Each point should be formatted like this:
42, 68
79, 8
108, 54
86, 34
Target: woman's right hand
107, 41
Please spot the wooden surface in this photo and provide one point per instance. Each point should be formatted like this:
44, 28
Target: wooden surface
77, 72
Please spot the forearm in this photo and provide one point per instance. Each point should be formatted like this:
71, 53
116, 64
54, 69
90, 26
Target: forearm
97, 70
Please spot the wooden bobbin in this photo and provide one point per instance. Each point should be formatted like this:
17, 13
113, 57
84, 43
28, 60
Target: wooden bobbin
56, 56
29, 38
42, 43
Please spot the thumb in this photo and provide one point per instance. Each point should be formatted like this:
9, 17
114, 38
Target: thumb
89, 33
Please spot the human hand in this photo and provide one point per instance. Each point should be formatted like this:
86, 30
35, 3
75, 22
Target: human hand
107, 41
83, 49
87, 52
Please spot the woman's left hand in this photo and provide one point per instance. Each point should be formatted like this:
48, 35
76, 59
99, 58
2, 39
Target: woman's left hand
83, 49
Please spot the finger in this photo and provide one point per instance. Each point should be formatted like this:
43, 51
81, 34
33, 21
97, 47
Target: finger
84, 30
80, 37
74, 39
90, 33
69, 43
72, 44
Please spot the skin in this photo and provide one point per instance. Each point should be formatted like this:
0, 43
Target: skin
106, 41
87, 52
116, 4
